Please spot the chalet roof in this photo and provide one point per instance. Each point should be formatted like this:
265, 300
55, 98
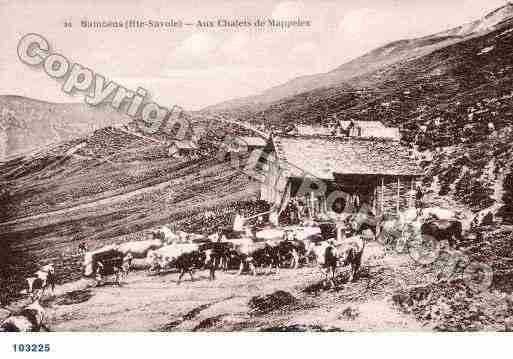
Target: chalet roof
307, 130
368, 129
253, 141
324, 156
364, 124
186, 145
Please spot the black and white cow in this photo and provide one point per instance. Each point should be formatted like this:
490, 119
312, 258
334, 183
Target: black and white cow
44, 278
32, 318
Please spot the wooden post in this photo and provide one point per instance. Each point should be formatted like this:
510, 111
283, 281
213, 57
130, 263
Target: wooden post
382, 194
412, 194
374, 193
398, 192
313, 204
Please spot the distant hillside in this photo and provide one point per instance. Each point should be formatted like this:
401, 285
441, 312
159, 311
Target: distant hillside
394, 52
27, 125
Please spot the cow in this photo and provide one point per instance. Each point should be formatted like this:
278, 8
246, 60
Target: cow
43, 278
103, 262
482, 218
32, 318
443, 229
346, 252
162, 258
409, 215
328, 230
291, 251
251, 253
187, 262
392, 227
197, 238
126, 264
166, 235
139, 249
307, 232
426, 214
269, 234
305, 247
217, 255
363, 221
269, 256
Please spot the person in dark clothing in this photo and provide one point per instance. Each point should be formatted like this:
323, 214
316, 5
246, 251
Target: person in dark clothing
418, 197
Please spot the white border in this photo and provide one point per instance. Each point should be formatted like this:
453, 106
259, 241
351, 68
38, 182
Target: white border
261, 345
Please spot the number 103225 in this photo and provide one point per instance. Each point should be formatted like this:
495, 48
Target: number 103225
41, 348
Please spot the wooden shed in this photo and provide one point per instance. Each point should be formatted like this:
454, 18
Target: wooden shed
377, 172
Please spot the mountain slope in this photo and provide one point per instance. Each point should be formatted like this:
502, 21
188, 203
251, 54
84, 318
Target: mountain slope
394, 52
28, 125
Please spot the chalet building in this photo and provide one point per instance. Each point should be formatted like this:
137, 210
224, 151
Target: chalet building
253, 143
369, 129
182, 148
373, 171
242, 144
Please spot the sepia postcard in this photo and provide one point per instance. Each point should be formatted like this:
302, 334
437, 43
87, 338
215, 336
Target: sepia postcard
255, 166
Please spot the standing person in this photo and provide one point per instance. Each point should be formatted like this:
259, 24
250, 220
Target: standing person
82, 249
300, 211
356, 202
418, 197
292, 212
273, 217
260, 222
127, 263
238, 224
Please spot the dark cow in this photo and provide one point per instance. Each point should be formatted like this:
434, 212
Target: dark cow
217, 255
188, 262
291, 251
268, 256
328, 230
254, 254
103, 263
444, 229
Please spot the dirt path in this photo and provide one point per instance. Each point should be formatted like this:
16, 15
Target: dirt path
148, 303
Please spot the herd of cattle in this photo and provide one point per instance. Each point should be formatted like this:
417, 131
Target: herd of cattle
328, 244
269, 249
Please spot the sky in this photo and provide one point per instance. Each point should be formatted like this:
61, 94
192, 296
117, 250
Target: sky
195, 66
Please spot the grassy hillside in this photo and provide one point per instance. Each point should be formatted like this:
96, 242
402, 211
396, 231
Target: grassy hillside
105, 188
